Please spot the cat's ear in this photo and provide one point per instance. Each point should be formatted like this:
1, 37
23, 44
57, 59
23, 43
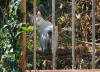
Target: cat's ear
39, 13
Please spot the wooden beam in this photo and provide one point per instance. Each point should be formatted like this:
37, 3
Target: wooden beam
34, 60
73, 35
93, 34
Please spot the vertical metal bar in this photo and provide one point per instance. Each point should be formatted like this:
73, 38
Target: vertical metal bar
93, 34
34, 4
53, 34
73, 35
23, 38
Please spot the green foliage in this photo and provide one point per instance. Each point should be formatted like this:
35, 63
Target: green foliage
30, 28
37, 1
13, 9
8, 37
10, 52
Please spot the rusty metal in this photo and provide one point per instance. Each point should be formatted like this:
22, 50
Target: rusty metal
73, 35
90, 70
34, 60
23, 38
93, 34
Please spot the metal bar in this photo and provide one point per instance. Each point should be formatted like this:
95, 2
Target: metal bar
23, 38
73, 35
84, 70
34, 4
53, 34
93, 34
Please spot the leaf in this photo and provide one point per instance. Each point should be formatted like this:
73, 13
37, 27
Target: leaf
4, 26
18, 33
30, 28
12, 57
19, 25
24, 28
37, 1
82, 6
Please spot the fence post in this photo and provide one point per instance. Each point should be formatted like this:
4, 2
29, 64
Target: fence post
34, 60
73, 35
93, 34
23, 38
54, 43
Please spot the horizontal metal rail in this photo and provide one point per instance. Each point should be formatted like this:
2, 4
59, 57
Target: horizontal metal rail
90, 70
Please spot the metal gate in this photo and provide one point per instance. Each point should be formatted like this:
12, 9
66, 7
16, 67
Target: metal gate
73, 39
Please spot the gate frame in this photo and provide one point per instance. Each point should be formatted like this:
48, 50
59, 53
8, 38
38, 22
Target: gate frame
73, 34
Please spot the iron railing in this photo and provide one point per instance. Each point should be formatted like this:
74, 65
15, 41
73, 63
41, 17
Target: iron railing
73, 34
